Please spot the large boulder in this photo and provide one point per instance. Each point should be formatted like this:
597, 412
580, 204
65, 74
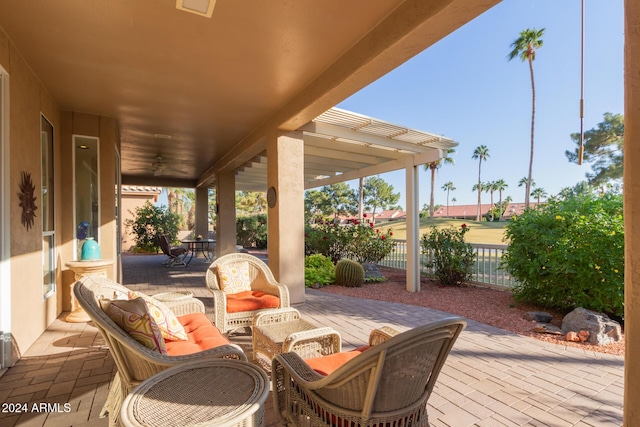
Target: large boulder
602, 330
371, 271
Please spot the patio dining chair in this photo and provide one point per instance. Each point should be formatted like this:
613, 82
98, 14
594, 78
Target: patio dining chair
176, 254
386, 383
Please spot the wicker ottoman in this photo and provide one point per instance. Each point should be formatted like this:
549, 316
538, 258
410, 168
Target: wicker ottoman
283, 330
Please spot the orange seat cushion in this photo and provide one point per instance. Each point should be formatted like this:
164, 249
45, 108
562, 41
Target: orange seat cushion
250, 301
325, 365
201, 335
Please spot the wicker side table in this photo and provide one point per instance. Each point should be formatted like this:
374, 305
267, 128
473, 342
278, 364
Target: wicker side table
218, 392
282, 331
173, 296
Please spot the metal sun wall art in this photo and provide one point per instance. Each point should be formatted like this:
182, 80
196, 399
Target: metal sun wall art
27, 200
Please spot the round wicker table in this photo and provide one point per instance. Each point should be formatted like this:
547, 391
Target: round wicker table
218, 392
173, 296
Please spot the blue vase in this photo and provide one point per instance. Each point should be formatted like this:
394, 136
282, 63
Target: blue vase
90, 250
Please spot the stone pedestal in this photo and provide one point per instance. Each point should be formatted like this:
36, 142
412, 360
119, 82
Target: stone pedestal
84, 268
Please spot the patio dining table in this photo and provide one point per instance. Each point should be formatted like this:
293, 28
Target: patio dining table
199, 245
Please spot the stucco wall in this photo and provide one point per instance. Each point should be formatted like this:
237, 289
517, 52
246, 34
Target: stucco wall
30, 314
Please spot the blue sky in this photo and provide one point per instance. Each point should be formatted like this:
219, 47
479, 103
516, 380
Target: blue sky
464, 88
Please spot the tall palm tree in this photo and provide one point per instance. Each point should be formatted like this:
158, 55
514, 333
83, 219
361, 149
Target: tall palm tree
432, 167
525, 48
448, 186
524, 181
507, 201
539, 193
490, 187
481, 153
501, 185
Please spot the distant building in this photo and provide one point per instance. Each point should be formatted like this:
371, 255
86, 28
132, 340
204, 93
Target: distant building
470, 211
380, 217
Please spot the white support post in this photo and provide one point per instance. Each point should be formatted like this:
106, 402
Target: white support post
413, 226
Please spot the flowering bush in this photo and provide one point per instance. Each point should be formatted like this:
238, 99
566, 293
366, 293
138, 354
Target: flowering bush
569, 253
359, 241
448, 254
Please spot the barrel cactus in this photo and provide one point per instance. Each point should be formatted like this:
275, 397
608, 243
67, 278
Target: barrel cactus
349, 273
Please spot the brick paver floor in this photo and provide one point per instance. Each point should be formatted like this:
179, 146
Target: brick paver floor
491, 378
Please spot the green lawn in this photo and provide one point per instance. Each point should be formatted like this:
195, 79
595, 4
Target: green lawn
479, 232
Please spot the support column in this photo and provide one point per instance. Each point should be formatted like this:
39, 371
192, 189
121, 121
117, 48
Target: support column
285, 175
202, 212
632, 212
225, 213
413, 227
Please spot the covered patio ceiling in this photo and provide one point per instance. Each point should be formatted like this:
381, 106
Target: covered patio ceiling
340, 145
195, 95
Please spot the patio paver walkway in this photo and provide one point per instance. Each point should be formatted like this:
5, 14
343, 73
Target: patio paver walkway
491, 378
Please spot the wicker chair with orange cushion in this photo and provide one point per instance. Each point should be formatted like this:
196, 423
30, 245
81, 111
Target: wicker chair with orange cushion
386, 383
242, 286
146, 336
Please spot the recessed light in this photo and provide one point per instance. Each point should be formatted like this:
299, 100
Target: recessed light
83, 147
199, 7
162, 136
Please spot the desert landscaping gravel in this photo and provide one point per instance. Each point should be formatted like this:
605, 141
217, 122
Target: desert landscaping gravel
489, 306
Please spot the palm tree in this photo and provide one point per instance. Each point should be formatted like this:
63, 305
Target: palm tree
176, 201
481, 153
500, 186
479, 187
525, 47
539, 193
507, 201
490, 187
432, 167
454, 200
448, 186
523, 181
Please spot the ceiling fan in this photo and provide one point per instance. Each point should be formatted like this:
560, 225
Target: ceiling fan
158, 166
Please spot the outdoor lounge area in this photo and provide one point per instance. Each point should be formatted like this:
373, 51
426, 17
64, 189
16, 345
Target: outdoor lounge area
491, 377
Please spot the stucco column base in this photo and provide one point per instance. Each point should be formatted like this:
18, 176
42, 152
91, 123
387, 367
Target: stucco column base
285, 178
84, 268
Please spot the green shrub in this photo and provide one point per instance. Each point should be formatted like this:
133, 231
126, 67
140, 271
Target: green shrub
318, 269
569, 253
349, 273
251, 231
448, 254
359, 241
149, 221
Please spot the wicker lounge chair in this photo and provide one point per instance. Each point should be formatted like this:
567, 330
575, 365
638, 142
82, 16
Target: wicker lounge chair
386, 384
135, 362
236, 310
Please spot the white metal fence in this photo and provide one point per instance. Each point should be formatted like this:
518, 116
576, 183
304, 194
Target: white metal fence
486, 270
